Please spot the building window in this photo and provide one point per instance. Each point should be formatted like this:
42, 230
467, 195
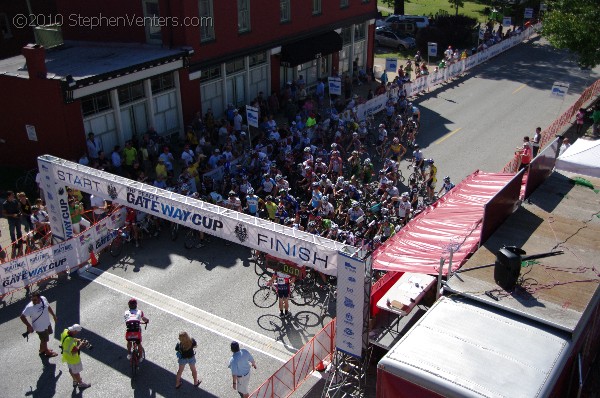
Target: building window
5, 26
211, 73
346, 35
151, 22
207, 27
257, 59
162, 82
359, 31
130, 92
243, 16
284, 6
235, 66
96, 103
344, 4
316, 7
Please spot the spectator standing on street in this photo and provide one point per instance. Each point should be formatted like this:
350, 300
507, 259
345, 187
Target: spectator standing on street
186, 356
94, 146
39, 311
25, 209
579, 120
71, 346
535, 143
565, 145
239, 364
525, 153
12, 213
116, 160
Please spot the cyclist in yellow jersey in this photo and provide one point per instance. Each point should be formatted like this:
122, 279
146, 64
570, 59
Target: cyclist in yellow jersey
431, 178
397, 149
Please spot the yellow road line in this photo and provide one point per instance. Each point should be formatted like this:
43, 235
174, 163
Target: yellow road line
521, 87
450, 134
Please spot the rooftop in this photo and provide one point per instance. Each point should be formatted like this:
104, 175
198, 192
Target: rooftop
88, 60
558, 291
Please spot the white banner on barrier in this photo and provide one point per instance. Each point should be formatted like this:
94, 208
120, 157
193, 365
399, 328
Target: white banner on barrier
283, 242
252, 116
335, 85
349, 306
47, 262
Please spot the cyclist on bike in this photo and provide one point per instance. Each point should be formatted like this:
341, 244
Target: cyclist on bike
133, 319
431, 179
282, 282
418, 159
397, 149
131, 224
381, 139
447, 186
252, 202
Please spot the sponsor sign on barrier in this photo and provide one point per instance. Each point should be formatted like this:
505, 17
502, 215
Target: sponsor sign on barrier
52, 260
56, 200
349, 306
335, 85
275, 239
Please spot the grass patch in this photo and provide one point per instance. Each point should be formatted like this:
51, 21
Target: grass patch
431, 7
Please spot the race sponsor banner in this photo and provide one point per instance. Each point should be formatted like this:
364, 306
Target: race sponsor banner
432, 49
275, 239
252, 116
47, 262
435, 79
528, 13
335, 85
506, 22
56, 201
349, 306
472, 61
371, 107
391, 64
37, 266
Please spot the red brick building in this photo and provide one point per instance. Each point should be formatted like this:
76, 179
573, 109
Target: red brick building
126, 66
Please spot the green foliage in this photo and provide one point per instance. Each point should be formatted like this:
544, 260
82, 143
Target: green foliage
455, 31
573, 24
456, 4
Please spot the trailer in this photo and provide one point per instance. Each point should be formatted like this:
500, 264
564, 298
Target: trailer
461, 348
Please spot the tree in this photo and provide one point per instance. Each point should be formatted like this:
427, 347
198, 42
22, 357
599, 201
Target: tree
573, 24
398, 5
456, 4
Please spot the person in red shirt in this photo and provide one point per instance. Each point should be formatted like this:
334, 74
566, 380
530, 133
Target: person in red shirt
525, 153
131, 224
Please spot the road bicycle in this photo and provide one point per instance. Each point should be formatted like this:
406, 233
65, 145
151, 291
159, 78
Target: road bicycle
192, 239
260, 259
174, 231
136, 355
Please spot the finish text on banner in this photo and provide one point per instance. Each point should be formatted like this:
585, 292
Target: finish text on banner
349, 306
275, 239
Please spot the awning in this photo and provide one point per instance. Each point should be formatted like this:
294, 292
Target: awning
302, 51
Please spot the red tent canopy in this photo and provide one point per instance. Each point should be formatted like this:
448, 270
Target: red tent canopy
453, 222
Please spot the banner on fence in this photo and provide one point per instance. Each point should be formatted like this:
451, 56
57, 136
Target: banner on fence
57, 202
349, 306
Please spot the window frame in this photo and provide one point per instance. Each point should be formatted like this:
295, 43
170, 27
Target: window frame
129, 87
243, 13
285, 7
151, 37
207, 32
94, 100
317, 7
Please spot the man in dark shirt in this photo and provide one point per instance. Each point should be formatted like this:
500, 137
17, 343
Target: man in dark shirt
13, 216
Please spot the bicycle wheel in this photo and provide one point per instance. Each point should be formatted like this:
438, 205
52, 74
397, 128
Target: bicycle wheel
263, 279
301, 296
116, 246
174, 231
134, 361
265, 297
191, 239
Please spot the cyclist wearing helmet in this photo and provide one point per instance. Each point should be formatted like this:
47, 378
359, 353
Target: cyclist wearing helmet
316, 195
368, 171
133, 317
131, 223
302, 216
381, 139
252, 202
397, 150
354, 213
354, 161
431, 179
418, 159
282, 282
335, 164
447, 186
233, 203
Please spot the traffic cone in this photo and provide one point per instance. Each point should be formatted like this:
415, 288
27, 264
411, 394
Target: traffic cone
321, 366
93, 259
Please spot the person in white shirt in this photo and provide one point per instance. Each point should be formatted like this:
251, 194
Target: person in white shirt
187, 156
565, 145
39, 311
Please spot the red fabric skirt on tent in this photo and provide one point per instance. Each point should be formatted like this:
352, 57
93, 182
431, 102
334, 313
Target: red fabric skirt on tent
452, 223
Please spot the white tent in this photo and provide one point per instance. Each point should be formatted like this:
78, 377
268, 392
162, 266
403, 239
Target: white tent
583, 157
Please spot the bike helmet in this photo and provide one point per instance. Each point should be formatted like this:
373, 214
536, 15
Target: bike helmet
307, 149
416, 146
340, 179
250, 191
333, 146
287, 220
447, 179
184, 188
312, 224
323, 176
195, 195
396, 140
231, 193
315, 184
377, 238
382, 126
367, 161
132, 303
355, 134
430, 161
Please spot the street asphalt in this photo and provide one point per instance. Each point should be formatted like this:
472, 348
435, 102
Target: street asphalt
474, 122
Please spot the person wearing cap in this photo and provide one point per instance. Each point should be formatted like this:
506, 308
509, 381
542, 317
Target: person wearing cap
39, 310
239, 364
71, 346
